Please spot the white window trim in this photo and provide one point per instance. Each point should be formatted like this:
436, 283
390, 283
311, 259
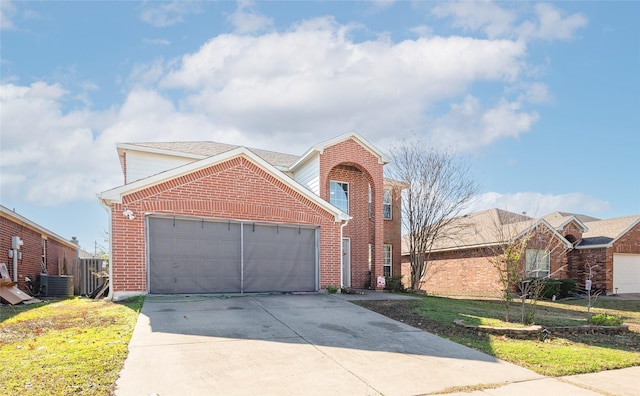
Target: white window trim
348, 193
384, 257
390, 204
541, 254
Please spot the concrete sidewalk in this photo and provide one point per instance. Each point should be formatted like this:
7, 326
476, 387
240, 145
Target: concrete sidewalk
308, 345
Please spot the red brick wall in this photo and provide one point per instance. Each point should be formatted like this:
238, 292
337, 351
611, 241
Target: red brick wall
29, 265
470, 272
393, 231
572, 230
235, 189
601, 260
361, 229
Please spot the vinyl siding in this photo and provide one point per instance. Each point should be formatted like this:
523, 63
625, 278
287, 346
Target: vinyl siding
309, 174
141, 165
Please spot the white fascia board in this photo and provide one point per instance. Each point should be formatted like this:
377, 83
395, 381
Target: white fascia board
320, 147
125, 146
583, 227
568, 244
608, 245
115, 195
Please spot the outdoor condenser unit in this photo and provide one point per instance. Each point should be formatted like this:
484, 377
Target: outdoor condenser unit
56, 285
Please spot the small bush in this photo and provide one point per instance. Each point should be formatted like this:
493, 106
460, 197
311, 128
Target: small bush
568, 288
550, 288
332, 289
394, 284
605, 320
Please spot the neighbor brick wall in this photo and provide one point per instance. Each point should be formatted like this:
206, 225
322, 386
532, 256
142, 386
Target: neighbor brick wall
236, 189
334, 162
601, 260
29, 265
470, 272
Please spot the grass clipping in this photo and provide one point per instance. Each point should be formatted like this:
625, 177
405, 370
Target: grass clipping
74, 346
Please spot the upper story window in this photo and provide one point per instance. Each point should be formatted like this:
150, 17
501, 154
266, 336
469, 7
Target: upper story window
386, 204
537, 263
370, 203
339, 195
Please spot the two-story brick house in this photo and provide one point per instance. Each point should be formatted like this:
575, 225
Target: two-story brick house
207, 217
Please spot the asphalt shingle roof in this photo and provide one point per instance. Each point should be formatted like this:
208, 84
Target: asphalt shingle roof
208, 149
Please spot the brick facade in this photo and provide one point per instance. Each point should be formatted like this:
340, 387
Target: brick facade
349, 161
471, 272
599, 260
30, 264
393, 228
236, 189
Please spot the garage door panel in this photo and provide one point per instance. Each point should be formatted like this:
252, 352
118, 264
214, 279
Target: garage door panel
205, 256
275, 258
626, 273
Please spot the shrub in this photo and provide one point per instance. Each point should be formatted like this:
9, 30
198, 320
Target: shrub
332, 289
550, 288
568, 288
604, 319
394, 284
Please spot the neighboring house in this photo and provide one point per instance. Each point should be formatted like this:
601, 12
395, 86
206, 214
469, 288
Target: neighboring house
206, 217
41, 250
561, 245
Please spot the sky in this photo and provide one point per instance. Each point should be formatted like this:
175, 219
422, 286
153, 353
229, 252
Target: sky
542, 99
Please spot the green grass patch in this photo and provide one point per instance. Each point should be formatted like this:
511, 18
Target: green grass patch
72, 346
567, 354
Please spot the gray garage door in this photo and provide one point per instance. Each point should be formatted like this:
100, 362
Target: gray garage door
207, 256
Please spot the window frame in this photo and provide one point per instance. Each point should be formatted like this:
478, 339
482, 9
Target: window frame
533, 258
387, 259
387, 193
331, 195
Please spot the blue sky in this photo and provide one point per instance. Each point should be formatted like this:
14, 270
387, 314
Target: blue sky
543, 98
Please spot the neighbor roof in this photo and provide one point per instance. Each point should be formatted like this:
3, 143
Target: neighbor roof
602, 233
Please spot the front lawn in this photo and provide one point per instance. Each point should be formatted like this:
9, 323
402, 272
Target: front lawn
73, 346
556, 356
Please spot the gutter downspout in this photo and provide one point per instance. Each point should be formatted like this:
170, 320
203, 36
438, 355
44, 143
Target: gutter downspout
344, 224
108, 209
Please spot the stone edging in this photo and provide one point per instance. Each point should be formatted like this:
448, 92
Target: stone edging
537, 330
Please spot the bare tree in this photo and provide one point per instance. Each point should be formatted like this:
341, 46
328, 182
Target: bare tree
509, 258
439, 187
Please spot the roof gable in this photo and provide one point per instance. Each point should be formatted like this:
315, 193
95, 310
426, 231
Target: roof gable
115, 195
319, 148
603, 233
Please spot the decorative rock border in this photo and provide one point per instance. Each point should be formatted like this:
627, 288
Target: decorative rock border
536, 331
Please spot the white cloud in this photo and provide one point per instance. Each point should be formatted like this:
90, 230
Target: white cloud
7, 13
246, 19
537, 204
299, 86
163, 14
468, 126
315, 79
550, 23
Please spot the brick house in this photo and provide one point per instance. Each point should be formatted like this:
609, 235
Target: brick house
41, 251
207, 217
561, 245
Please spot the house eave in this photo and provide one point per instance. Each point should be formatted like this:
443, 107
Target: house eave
115, 195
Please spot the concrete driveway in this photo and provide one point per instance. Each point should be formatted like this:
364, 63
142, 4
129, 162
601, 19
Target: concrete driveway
311, 344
